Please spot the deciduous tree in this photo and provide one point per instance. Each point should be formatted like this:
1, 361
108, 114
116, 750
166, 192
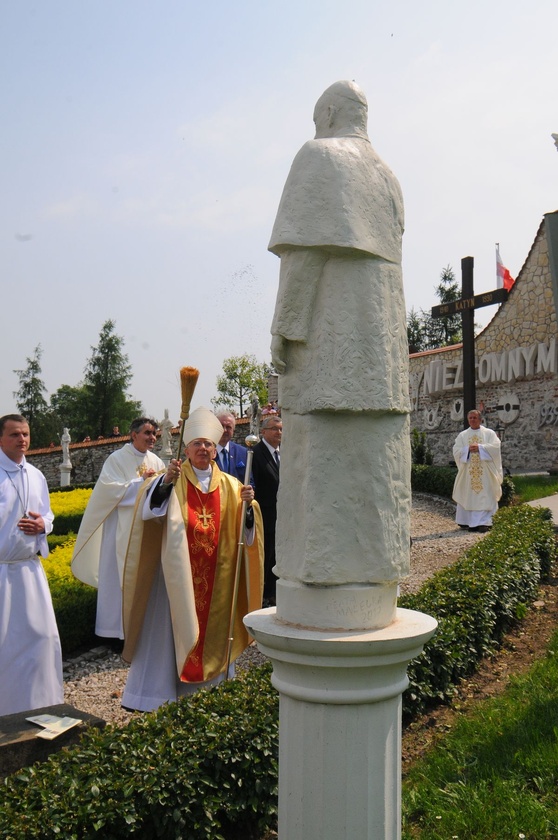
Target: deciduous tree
69, 404
242, 377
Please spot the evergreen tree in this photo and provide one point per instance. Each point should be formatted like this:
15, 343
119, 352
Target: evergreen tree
32, 404
448, 290
242, 377
420, 449
107, 376
415, 332
427, 333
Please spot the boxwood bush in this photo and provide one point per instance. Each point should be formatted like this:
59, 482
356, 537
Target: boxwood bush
75, 606
436, 480
206, 767
476, 600
74, 603
439, 481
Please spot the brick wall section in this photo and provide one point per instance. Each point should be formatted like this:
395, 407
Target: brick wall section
522, 406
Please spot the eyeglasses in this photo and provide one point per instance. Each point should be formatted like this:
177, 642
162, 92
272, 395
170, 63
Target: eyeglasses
197, 444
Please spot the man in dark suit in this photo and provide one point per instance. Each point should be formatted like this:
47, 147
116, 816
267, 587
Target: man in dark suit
265, 469
231, 456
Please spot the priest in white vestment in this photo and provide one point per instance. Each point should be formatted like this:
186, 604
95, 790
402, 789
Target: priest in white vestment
30, 654
102, 539
478, 484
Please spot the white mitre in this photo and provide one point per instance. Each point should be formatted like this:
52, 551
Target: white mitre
202, 423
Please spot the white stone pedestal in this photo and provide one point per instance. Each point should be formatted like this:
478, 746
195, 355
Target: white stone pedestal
340, 724
65, 475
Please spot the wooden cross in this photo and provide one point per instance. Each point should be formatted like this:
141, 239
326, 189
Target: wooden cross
467, 305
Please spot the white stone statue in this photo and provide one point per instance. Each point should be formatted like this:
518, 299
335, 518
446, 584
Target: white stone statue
166, 438
65, 441
66, 465
340, 346
254, 412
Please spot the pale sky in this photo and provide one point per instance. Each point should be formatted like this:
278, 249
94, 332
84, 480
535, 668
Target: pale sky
145, 145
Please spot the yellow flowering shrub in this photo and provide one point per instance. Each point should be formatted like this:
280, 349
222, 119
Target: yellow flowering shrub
68, 509
57, 564
71, 503
74, 602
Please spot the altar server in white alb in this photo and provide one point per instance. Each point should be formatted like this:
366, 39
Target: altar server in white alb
478, 485
30, 654
103, 535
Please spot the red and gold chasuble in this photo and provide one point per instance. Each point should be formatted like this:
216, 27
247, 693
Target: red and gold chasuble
212, 523
202, 529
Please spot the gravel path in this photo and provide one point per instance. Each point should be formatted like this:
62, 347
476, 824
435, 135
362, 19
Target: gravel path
94, 682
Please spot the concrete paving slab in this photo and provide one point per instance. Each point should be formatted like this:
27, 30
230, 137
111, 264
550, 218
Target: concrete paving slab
550, 502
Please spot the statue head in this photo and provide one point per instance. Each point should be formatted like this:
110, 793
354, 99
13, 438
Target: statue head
340, 111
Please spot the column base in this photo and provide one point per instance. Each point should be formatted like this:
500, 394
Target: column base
340, 723
349, 607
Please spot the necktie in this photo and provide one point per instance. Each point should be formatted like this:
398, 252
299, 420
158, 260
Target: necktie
225, 460
276, 453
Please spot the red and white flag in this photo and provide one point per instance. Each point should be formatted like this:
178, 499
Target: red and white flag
504, 278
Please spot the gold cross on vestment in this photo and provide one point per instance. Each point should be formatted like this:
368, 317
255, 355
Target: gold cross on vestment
204, 517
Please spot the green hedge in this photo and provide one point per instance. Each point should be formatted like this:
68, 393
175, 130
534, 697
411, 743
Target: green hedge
66, 523
439, 481
75, 607
88, 485
207, 767
476, 600
74, 602
436, 480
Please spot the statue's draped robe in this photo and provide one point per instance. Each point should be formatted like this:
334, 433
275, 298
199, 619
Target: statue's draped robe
345, 393
478, 484
103, 535
178, 589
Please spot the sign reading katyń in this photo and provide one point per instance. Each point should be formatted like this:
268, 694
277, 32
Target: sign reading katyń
474, 302
518, 363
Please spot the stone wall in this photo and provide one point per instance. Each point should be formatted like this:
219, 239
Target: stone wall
87, 459
517, 375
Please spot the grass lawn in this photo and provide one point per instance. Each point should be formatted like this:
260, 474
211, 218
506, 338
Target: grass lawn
529, 487
495, 775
